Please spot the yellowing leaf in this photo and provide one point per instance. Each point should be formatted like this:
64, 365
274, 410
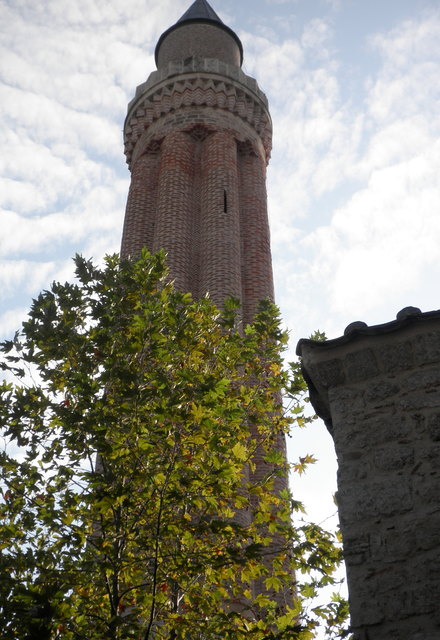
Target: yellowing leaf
240, 451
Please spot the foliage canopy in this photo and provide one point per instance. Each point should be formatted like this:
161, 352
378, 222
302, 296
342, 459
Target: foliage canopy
166, 533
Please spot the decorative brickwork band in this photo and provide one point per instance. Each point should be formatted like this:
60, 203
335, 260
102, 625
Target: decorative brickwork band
378, 389
201, 91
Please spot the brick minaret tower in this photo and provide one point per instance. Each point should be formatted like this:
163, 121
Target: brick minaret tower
198, 136
197, 140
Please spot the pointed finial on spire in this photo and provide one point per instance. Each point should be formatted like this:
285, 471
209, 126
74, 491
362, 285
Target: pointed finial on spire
200, 10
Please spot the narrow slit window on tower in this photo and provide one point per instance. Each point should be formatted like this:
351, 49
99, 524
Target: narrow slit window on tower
225, 201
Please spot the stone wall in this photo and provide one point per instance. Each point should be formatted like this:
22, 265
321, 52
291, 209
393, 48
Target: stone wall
378, 390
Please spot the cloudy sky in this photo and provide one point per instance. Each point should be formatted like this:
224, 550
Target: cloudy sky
354, 193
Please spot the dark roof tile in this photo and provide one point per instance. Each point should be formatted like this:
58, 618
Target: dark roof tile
356, 330
200, 10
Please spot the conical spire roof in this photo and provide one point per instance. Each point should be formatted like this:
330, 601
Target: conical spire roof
200, 11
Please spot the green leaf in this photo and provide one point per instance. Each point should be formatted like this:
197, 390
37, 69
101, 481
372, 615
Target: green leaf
128, 486
240, 451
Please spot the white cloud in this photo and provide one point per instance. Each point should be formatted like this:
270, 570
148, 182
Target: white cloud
408, 80
281, 1
67, 71
336, 5
25, 275
380, 247
98, 212
386, 237
316, 135
48, 122
271, 62
10, 321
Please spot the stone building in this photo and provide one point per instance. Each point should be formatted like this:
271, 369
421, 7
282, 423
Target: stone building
378, 390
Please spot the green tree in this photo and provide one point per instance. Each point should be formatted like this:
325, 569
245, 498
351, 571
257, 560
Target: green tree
131, 415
